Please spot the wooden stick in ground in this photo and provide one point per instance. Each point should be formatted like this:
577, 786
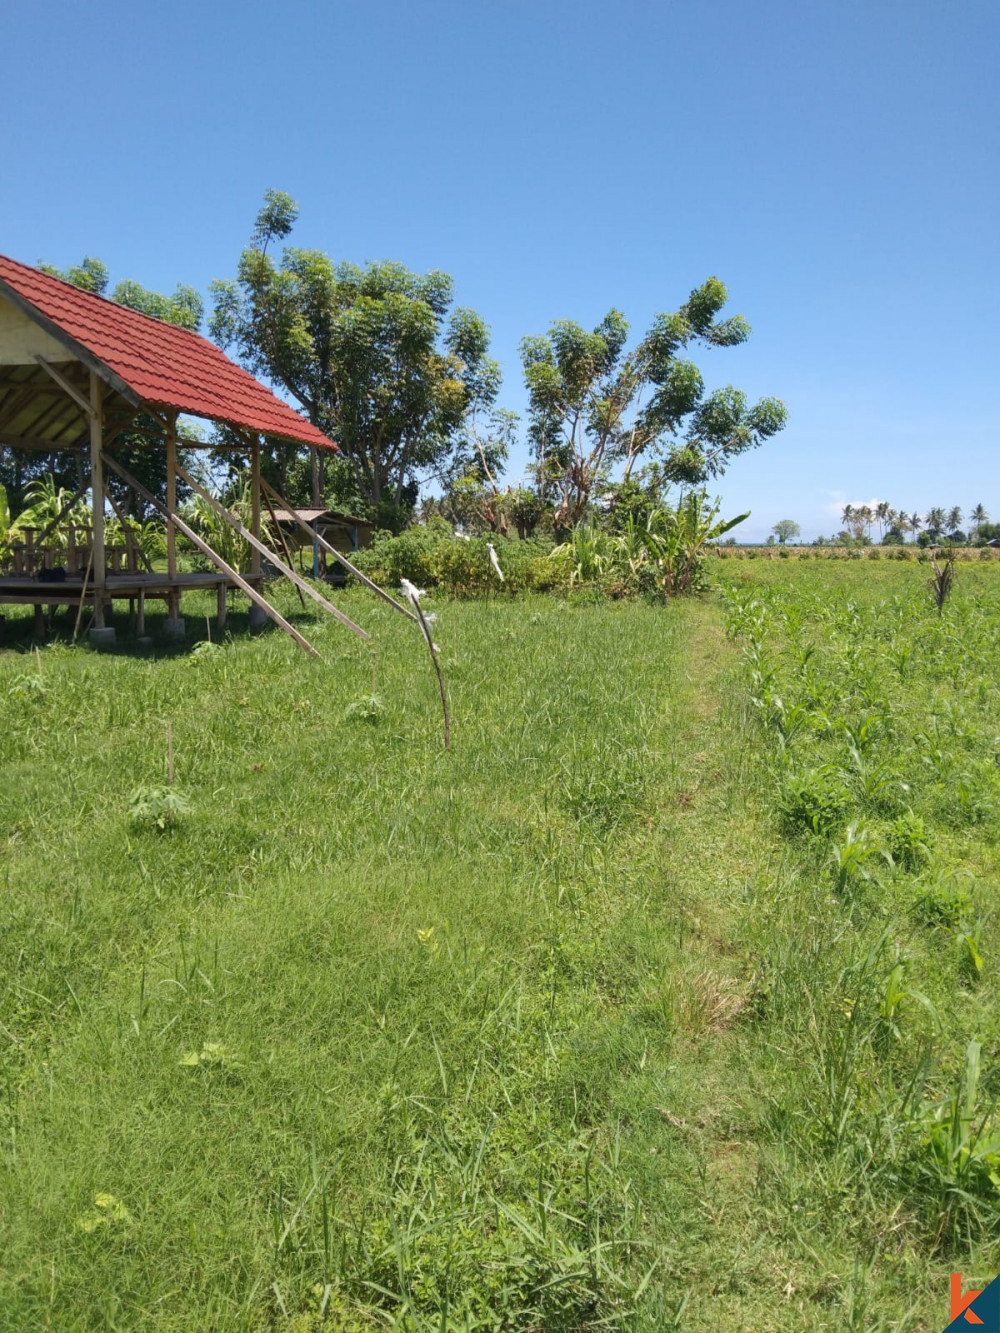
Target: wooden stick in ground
258, 546
413, 594
215, 558
284, 544
83, 593
332, 550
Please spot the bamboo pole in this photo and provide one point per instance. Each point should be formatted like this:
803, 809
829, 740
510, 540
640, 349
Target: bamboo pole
284, 544
173, 600
259, 549
255, 567
97, 492
332, 550
216, 559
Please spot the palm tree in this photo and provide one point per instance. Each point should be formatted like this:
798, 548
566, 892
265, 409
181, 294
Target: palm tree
915, 522
979, 517
935, 521
954, 519
883, 515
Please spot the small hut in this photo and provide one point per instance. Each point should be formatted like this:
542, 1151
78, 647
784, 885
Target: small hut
344, 532
76, 372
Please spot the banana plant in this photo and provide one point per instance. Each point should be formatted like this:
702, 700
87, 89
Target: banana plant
675, 537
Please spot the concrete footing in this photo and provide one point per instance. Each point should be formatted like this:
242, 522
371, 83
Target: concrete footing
258, 616
173, 627
103, 637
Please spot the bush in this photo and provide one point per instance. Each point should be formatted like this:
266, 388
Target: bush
431, 557
909, 841
814, 799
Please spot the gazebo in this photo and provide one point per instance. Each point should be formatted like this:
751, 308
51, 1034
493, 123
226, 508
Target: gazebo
76, 371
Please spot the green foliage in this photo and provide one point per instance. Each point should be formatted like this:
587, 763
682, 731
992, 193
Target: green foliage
185, 308
815, 800
586, 411
786, 529
909, 841
376, 357
942, 902
157, 807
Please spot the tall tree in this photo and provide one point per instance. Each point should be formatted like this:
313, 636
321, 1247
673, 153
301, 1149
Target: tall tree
979, 517
785, 529
376, 356
594, 406
934, 522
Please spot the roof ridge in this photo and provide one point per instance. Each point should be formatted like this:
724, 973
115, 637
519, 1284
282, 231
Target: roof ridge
107, 300
160, 361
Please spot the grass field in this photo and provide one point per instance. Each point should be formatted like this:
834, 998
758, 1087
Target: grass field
648, 1006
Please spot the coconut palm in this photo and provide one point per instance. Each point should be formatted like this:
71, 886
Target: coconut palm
979, 517
883, 516
915, 522
935, 521
954, 518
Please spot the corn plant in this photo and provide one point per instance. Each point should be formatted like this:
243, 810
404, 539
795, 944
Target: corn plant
959, 1157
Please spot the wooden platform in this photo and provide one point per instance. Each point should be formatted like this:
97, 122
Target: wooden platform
133, 587
16, 588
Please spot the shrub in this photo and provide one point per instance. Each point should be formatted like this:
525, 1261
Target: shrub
943, 902
909, 842
814, 799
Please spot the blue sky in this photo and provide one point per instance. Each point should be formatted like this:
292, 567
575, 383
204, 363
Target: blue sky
834, 163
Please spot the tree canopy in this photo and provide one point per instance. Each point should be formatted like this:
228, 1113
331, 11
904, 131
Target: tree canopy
786, 529
378, 357
593, 405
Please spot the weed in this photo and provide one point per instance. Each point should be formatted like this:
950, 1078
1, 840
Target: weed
815, 800
158, 807
909, 842
369, 709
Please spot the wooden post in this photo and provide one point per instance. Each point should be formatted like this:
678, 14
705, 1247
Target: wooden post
259, 547
255, 565
216, 559
173, 600
99, 574
256, 617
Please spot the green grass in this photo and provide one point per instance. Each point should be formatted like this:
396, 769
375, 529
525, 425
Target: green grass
573, 1027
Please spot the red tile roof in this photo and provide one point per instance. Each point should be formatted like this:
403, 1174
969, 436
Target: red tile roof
160, 363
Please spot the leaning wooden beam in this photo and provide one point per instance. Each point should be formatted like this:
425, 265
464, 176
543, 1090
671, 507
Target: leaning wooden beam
284, 544
332, 550
257, 545
216, 559
124, 522
54, 523
79, 398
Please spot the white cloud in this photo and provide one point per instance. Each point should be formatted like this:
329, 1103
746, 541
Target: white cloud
839, 500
